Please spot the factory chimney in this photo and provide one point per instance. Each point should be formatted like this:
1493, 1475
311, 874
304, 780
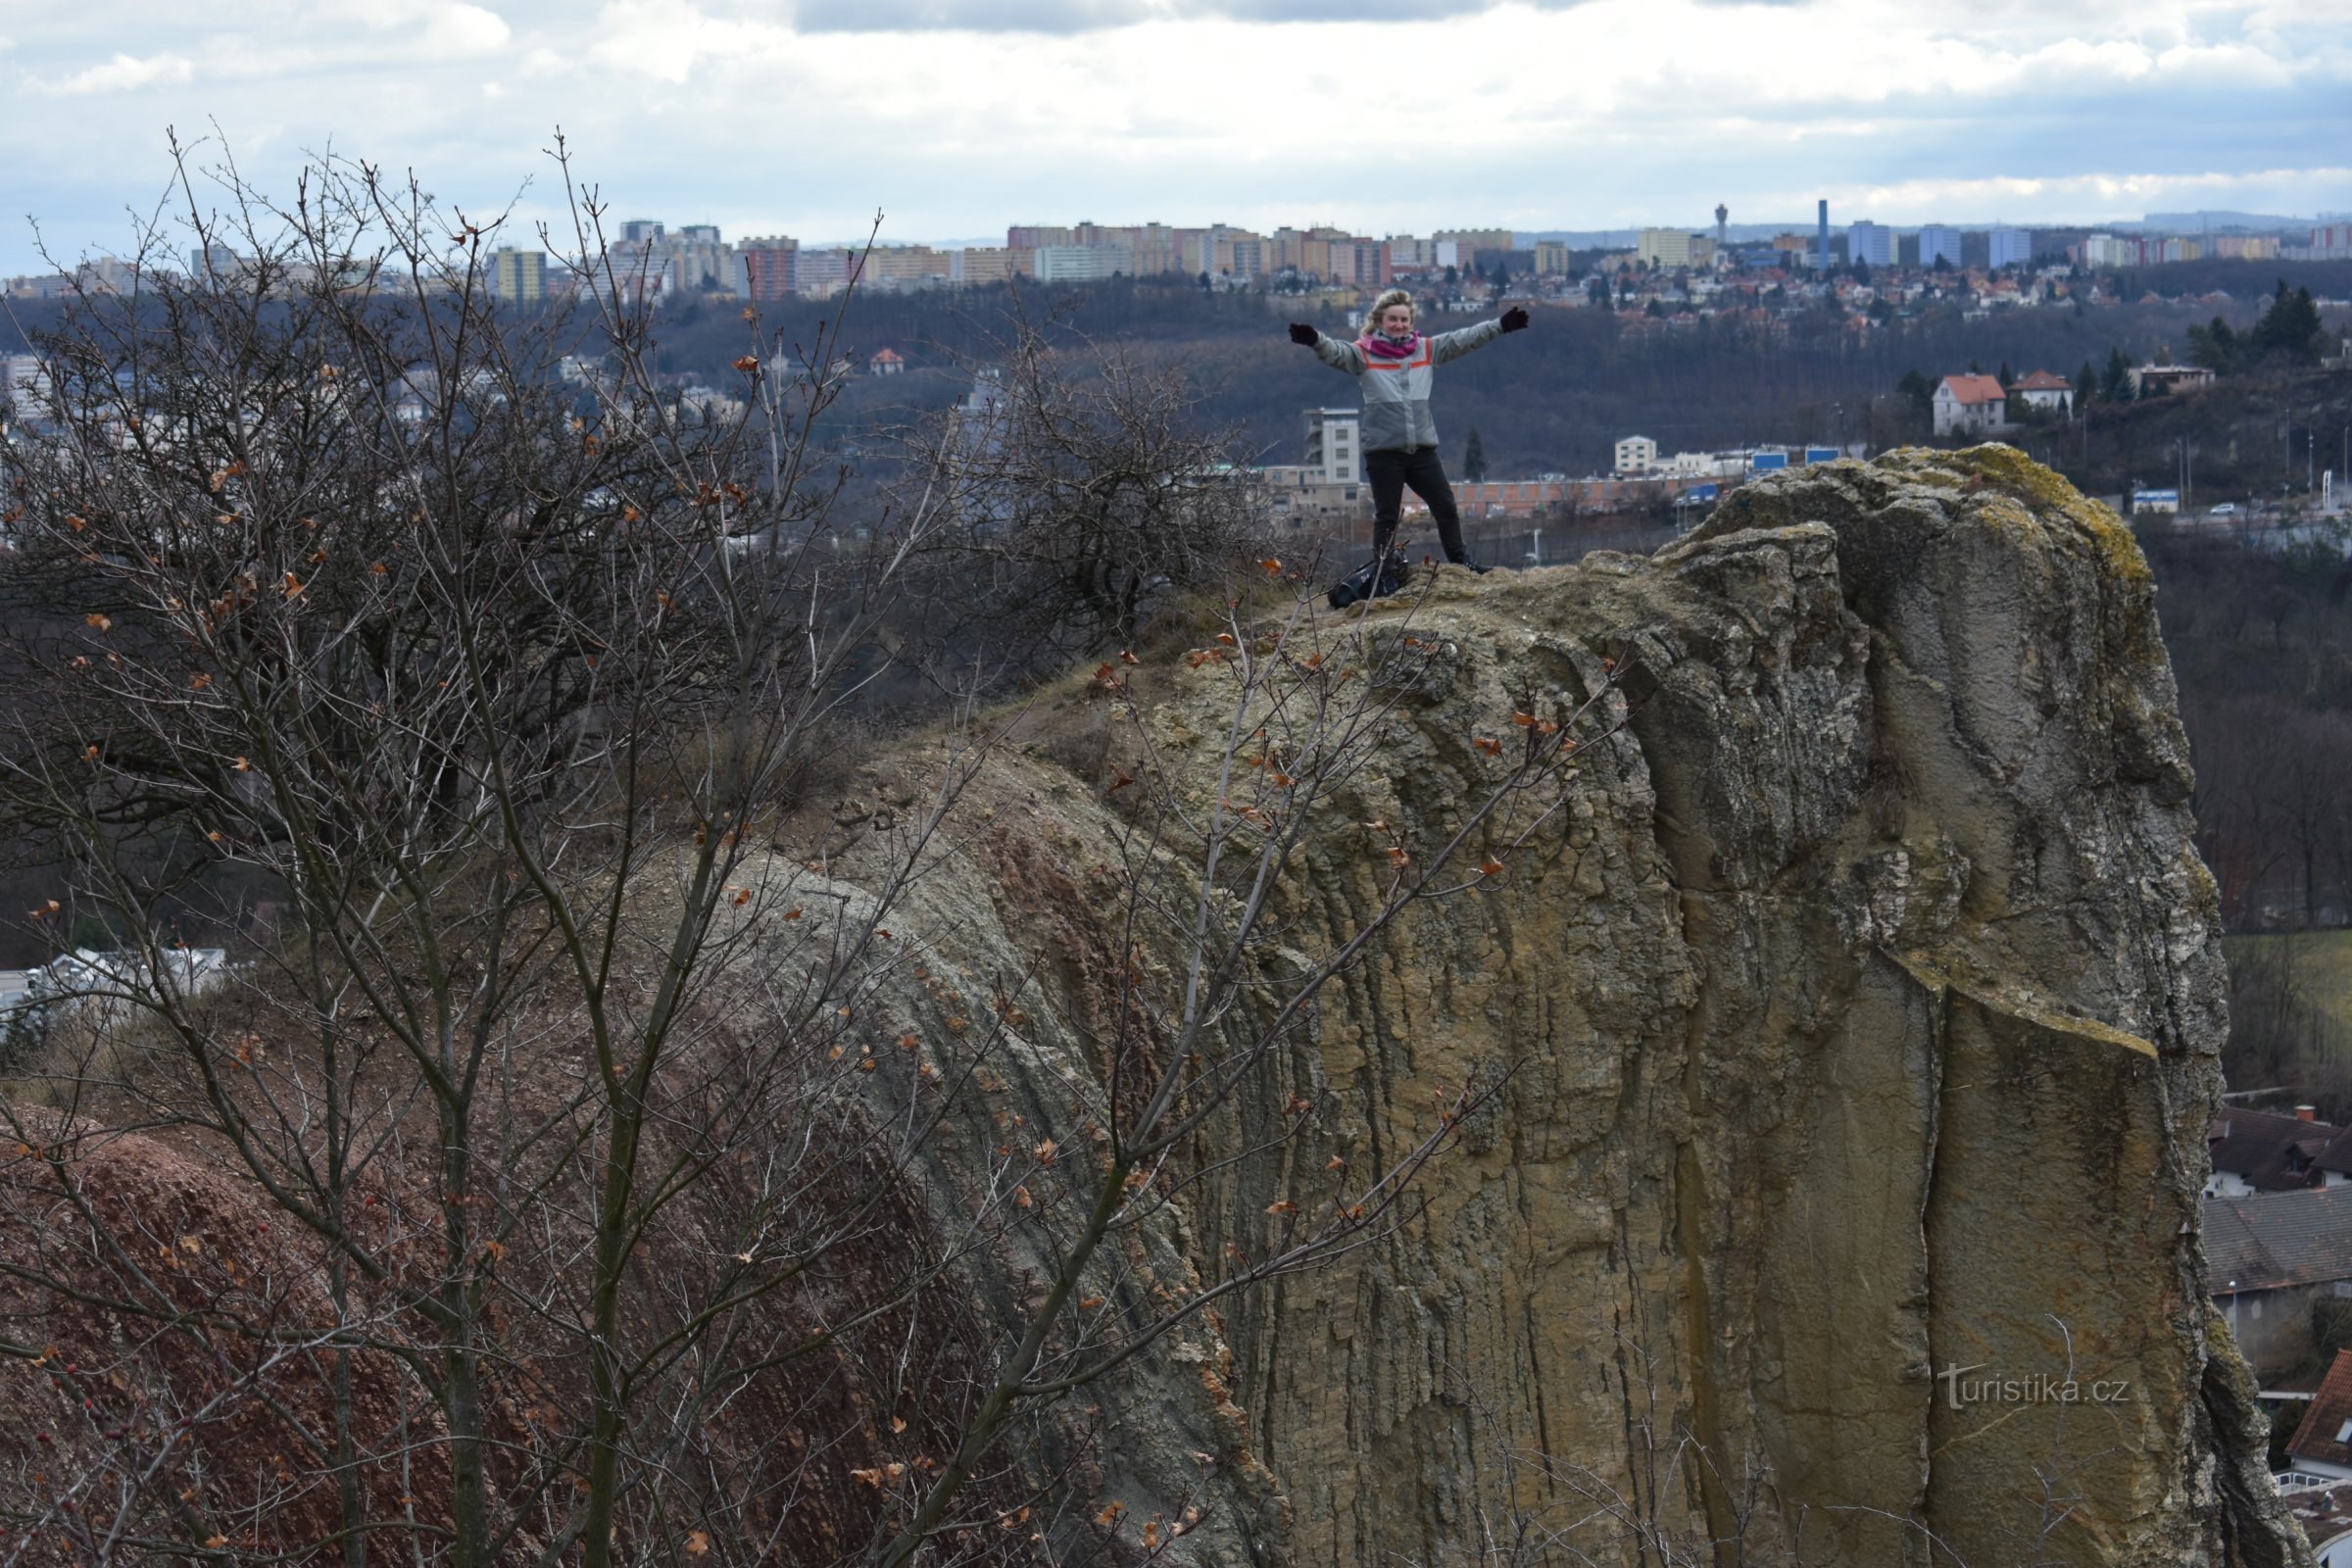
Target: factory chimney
1821, 242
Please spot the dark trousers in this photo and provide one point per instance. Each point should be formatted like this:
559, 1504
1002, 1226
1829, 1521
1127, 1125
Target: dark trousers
1390, 472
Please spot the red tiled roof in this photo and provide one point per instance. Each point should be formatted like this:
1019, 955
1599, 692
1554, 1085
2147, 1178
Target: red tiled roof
1970, 389
2044, 382
886, 357
2330, 1412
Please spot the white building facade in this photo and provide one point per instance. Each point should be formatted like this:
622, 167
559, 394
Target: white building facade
1637, 454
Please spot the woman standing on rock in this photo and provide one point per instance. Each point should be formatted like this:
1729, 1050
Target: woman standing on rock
1393, 365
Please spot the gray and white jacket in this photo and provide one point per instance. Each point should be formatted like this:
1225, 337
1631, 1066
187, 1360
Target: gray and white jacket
1396, 391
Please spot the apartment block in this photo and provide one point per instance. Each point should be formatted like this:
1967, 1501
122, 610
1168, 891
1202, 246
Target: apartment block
767, 268
1939, 246
1870, 242
824, 273
1334, 445
1083, 263
900, 267
1473, 240
1664, 247
2009, 247
977, 264
518, 276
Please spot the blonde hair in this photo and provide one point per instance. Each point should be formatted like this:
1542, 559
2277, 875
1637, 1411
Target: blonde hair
1395, 296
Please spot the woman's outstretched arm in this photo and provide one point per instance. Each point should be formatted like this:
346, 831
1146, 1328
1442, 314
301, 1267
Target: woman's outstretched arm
1454, 345
1336, 352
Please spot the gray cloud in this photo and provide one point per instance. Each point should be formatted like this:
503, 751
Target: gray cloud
955, 118
1093, 15
968, 15
1343, 10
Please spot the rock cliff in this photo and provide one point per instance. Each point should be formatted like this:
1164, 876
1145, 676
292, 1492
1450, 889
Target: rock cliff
1862, 1027
1855, 1018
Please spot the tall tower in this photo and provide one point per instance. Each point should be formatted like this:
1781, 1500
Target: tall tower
1721, 234
1820, 245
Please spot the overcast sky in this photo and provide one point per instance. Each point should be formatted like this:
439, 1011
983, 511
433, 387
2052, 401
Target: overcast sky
956, 117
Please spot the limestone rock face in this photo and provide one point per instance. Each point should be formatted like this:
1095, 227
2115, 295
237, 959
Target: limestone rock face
1862, 1026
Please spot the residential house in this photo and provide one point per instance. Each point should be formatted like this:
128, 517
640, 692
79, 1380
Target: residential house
2269, 1151
2321, 1446
886, 362
1637, 454
2271, 1258
1970, 405
2150, 379
2042, 391
2325, 1513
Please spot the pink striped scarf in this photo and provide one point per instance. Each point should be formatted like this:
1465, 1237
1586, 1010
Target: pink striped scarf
1381, 346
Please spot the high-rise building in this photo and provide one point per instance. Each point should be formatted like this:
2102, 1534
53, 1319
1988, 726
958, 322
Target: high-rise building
2111, 250
765, 269
1474, 240
520, 277
2009, 247
1664, 247
107, 274
1939, 245
702, 261
213, 261
1868, 243
1358, 260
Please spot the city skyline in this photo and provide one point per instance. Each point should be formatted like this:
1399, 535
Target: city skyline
956, 117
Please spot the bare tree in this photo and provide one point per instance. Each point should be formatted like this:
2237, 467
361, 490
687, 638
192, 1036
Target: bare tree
497, 682
569, 1159
1088, 490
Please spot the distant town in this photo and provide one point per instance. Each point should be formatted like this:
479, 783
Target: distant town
1865, 264
1866, 275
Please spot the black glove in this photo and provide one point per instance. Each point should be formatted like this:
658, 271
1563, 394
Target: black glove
1301, 332
1514, 319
